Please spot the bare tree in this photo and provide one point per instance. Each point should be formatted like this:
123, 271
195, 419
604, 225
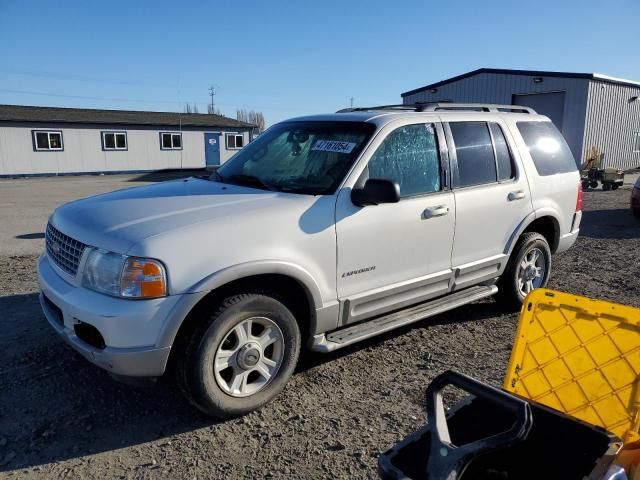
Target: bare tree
188, 108
251, 116
212, 110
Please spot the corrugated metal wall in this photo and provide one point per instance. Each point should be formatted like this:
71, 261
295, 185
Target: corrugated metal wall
612, 120
499, 88
83, 149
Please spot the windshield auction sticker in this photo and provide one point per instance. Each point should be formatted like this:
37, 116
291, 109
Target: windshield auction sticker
333, 146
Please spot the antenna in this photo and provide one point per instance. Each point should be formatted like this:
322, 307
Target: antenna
212, 92
351, 99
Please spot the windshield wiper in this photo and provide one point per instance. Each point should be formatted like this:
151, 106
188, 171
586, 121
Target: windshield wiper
252, 180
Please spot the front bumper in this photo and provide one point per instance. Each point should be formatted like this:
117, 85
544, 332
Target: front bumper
130, 328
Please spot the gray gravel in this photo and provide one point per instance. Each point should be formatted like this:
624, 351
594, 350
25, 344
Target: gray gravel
61, 417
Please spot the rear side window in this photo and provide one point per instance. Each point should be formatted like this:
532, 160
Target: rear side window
409, 156
504, 160
548, 149
474, 151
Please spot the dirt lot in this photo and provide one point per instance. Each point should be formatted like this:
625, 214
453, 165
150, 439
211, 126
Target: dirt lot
60, 417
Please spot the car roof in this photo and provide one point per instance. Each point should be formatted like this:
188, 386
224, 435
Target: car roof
383, 117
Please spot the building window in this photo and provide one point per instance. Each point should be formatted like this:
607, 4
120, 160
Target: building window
636, 142
170, 141
47, 140
235, 141
114, 140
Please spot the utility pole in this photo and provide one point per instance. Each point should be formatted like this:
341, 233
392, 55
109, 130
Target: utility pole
351, 99
212, 92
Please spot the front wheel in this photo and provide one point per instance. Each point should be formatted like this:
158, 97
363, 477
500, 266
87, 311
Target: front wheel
528, 268
240, 355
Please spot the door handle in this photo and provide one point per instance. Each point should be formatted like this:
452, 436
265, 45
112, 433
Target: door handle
518, 195
438, 211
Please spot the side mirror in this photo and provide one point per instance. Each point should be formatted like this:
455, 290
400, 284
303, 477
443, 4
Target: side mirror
375, 192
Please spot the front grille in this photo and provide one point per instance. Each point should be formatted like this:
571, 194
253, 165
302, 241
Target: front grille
63, 250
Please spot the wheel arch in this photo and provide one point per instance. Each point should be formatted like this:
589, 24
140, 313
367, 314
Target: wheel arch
297, 288
545, 223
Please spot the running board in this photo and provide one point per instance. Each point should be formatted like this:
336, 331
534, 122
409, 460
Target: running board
327, 342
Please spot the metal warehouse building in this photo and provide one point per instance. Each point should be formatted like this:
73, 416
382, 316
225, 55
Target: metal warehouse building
46, 140
591, 110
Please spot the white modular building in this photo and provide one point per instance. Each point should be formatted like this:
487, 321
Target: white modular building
48, 140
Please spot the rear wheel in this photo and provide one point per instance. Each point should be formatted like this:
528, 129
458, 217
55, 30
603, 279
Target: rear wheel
240, 355
606, 186
528, 268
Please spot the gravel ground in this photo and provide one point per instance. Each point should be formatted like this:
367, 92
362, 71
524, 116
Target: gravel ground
61, 417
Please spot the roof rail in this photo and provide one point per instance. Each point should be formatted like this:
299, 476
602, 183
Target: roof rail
382, 107
439, 106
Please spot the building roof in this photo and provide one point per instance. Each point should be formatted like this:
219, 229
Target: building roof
23, 113
535, 73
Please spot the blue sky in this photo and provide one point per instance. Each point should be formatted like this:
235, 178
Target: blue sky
289, 58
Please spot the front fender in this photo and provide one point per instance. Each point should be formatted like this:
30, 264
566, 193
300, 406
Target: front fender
325, 314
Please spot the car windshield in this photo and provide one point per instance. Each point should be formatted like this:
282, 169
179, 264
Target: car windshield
300, 157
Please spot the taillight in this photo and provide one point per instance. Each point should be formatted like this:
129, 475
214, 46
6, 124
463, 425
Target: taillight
579, 199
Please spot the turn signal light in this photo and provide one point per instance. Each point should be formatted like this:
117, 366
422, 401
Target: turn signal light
143, 278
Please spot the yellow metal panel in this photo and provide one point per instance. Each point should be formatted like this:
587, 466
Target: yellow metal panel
581, 357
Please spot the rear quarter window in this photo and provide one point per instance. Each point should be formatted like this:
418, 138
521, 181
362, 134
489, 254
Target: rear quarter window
549, 151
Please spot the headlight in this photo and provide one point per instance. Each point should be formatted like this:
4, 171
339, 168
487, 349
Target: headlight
122, 276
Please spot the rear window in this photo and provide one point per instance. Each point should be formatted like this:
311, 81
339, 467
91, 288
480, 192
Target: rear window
548, 149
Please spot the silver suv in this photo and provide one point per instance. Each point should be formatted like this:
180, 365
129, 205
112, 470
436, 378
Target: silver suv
326, 230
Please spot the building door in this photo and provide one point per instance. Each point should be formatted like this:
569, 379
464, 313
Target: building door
212, 149
550, 104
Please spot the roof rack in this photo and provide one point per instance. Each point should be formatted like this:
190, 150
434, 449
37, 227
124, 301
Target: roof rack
439, 106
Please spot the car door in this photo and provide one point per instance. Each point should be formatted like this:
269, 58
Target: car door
397, 254
491, 196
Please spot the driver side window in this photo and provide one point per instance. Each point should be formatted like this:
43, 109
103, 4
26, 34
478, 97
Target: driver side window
409, 156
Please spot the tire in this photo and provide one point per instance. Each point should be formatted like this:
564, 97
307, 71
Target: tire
510, 291
585, 184
606, 187
615, 186
593, 184
216, 334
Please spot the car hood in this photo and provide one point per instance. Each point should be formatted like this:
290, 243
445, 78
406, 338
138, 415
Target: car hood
116, 221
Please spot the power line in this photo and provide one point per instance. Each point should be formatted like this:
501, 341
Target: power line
82, 97
83, 78
134, 100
